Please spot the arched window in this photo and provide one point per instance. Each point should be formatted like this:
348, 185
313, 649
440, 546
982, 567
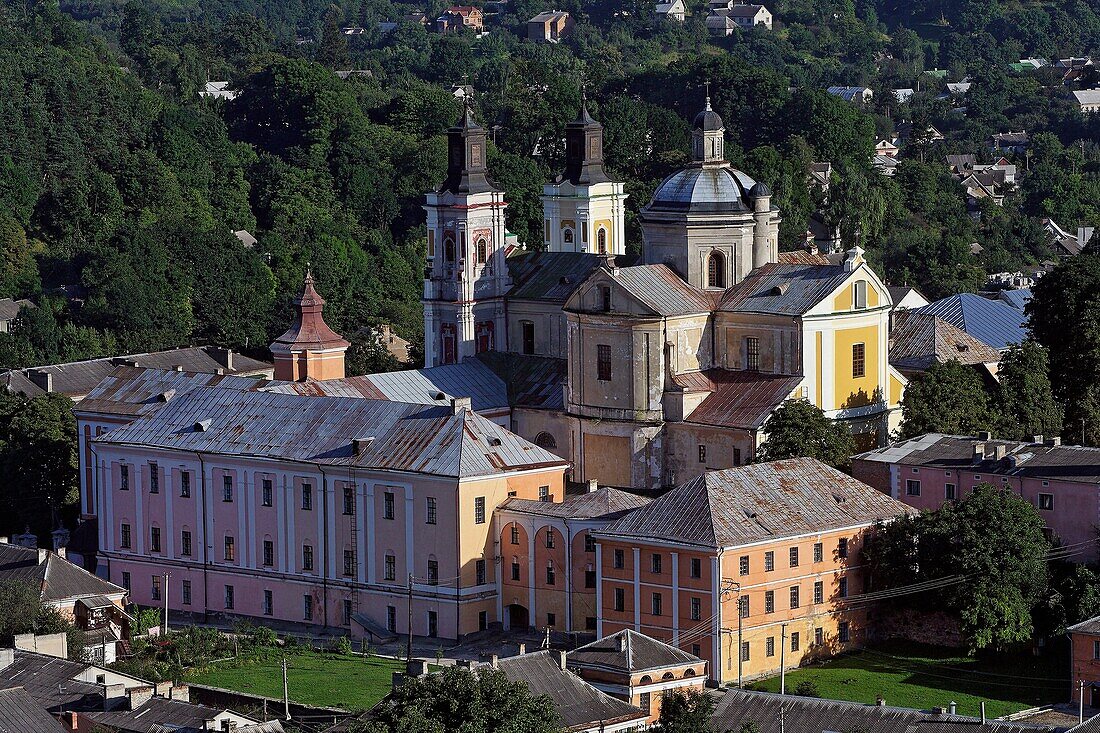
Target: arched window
601, 241
449, 249
567, 236
716, 270
645, 680
546, 440
482, 250
689, 673
668, 676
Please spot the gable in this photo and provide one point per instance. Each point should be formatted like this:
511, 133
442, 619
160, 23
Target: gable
589, 297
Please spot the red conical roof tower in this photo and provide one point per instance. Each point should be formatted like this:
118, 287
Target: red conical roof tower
309, 349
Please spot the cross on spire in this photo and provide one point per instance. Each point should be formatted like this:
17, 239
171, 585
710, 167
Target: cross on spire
707, 85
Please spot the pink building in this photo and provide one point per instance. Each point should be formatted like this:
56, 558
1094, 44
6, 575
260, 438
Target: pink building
1063, 482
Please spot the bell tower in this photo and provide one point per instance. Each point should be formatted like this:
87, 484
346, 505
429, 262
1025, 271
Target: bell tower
466, 276
309, 349
583, 207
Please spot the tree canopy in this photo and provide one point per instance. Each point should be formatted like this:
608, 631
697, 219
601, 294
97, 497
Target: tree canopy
798, 429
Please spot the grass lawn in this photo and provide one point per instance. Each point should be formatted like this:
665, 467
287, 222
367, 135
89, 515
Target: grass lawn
910, 675
328, 680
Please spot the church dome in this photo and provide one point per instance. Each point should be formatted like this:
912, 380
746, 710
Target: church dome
704, 189
708, 120
760, 189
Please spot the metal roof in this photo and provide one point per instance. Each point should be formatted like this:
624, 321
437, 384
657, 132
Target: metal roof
531, 381
51, 682
628, 651
417, 438
1017, 297
738, 399
762, 501
661, 289
704, 189
10, 308
57, 579
605, 503
159, 712
549, 275
19, 712
783, 289
132, 391
996, 323
919, 340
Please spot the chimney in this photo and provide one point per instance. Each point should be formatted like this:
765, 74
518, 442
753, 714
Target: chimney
521, 649
62, 553
853, 258
1037, 439
139, 696
180, 692
560, 655
593, 485
7, 657
1054, 442
493, 661
622, 642
979, 452
222, 356
60, 537
359, 445
72, 719
985, 435
162, 689
952, 707
42, 378
999, 451
43, 553
114, 696
460, 403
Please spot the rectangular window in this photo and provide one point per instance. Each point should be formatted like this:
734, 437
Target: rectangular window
819, 552
1095, 644
479, 510
551, 620
794, 557
912, 487
744, 651
696, 649
433, 572
589, 578
859, 360
769, 601
528, 337
347, 612
126, 580
515, 534
125, 530
544, 494
743, 606
433, 624
1046, 502
752, 354
655, 563
794, 596
307, 497
603, 363
696, 609
154, 590
349, 563
154, 539
430, 510
349, 501
515, 569
387, 505
265, 492
656, 604
949, 492
269, 553
819, 591
187, 593
794, 641
154, 479
229, 597
769, 646
185, 484
605, 298
619, 559
769, 561
479, 572
696, 567
307, 608
550, 577
124, 477
702, 453
307, 557
391, 568
268, 603
589, 543
391, 619
645, 702
185, 543
227, 488
743, 565
859, 294
842, 548
842, 587
819, 636
844, 631
230, 553
620, 599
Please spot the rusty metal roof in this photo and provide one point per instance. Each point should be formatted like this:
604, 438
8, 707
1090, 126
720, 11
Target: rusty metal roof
919, 340
762, 501
605, 503
531, 381
132, 391
783, 289
549, 275
661, 289
738, 399
322, 430
628, 651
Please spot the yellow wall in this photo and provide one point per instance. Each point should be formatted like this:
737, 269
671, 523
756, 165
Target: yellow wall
843, 300
606, 224
895, 390
846, 386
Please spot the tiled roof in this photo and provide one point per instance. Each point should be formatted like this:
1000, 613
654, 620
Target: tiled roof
783, 289
322, 430
580, 705
19, 713
56, 578
738, 399
1030, 460
549, 275
661, 289
993, 322
919, 340
1088, 626
628, 651
772, 713
737, 506
802, 257
133, 391
605, 503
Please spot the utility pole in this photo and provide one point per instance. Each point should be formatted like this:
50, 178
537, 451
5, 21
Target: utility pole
740, 650
783, 660
409, 648
167, 578
286, 695
1080, 701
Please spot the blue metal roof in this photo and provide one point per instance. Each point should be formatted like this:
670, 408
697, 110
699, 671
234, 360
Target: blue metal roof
1017, 298
990, 321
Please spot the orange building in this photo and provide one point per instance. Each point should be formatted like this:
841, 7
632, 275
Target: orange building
780, 540
1085, 661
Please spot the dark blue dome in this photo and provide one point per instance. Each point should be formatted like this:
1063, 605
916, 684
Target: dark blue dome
704, 189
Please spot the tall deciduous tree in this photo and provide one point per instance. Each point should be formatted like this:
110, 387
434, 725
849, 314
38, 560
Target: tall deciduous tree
685, 712
801, 430
1027, 404
948, 398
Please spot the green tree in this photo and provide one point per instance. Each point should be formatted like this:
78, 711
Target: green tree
457, 699
23, 612
685, 712
948, 398
333, 50
1026, 400
799, 429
